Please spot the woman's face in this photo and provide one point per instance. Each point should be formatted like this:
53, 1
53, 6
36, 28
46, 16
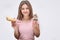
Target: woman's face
25, 10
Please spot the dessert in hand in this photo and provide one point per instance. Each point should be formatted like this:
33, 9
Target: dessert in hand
10, 19
35, 17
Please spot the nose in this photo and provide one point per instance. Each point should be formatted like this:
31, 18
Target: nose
25, 10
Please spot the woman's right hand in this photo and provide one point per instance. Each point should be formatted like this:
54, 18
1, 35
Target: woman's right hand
14, 25
16, 29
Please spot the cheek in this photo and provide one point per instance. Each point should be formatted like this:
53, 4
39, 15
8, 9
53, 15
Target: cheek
22, 11
28, 11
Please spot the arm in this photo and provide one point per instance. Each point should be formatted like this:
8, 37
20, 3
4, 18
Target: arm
13, 22
16, 33
36, 26
36, 29
16, 30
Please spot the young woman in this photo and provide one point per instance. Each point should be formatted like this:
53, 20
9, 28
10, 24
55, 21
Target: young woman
25, 28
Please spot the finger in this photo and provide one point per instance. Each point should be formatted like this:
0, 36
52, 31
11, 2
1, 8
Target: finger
13, 24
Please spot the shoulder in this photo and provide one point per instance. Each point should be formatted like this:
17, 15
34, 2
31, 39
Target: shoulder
18, 21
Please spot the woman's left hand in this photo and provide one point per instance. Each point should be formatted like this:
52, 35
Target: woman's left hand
36, 28
35, 24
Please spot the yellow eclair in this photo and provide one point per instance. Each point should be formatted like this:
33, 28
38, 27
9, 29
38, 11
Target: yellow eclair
10, 19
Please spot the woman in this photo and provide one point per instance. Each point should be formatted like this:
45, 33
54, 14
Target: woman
24, 27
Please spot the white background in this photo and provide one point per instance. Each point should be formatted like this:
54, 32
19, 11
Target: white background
48, 12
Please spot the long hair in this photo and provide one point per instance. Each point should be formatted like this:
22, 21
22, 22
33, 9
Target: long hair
20, 15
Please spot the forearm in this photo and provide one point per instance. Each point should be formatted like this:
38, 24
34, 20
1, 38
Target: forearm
16, 29
36, 31
16, 34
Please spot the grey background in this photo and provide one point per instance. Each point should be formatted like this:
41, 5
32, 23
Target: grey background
48, 12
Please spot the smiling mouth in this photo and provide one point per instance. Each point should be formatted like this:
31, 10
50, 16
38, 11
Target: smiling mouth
25, 12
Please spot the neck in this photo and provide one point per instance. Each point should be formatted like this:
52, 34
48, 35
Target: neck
26, 18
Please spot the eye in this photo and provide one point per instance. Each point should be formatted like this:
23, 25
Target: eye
22, 8
27, 8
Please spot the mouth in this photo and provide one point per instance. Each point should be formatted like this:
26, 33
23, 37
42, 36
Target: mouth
25, 12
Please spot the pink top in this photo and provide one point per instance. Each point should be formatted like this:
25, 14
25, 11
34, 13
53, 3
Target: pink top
25, 29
